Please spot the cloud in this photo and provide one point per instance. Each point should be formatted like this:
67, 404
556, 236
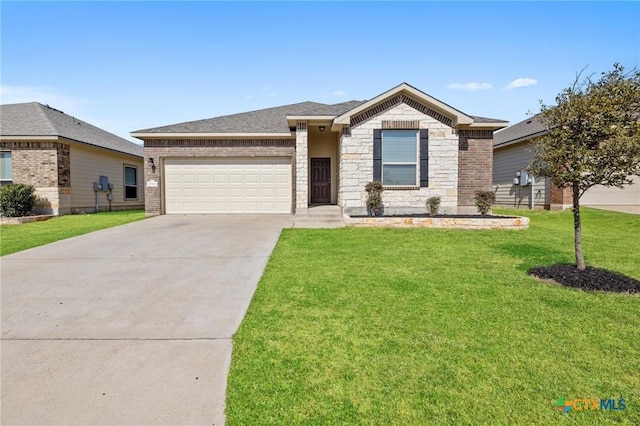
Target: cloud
520, 82
469, 87
45, 95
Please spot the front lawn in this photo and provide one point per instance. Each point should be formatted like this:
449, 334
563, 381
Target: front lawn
15, 238
420, 326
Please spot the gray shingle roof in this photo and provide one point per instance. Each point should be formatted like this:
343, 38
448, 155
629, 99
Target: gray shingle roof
523, 130
269, 120
35, 119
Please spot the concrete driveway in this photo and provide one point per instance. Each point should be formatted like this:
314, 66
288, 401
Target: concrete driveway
130, 325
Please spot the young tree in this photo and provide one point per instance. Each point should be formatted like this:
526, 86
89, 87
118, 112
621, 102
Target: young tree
593, 138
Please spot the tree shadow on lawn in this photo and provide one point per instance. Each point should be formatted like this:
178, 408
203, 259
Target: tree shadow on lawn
531, 255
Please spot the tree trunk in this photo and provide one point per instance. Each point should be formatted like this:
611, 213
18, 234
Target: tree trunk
577, 227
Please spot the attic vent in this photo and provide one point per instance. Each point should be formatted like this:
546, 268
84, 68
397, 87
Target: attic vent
529, 121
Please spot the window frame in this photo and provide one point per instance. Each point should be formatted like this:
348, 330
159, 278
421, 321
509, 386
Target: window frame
415, 163
125, 185
10, 180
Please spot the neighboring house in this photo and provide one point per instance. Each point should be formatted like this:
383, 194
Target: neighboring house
512, 153
62, 157
287, 158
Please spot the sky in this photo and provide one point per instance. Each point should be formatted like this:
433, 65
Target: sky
126, 66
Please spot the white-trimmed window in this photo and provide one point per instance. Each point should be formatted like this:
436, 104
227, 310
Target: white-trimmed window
6, 171
400, 157
130, 182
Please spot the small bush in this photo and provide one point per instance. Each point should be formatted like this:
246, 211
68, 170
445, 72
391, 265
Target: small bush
374, 197
433, 204
484, 201
17, 199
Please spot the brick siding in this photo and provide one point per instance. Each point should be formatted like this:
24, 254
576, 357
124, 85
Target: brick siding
475, 165
161, 149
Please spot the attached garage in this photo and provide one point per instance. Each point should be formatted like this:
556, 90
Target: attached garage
229, 185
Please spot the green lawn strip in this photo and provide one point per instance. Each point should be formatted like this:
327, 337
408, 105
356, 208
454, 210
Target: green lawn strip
399, 326
14, 238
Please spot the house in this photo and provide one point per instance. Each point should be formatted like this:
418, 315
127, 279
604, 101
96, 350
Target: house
287, 158
512, 153
63, 157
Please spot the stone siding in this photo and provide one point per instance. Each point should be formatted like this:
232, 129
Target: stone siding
356, 165
175, 148
302, 167
475, 162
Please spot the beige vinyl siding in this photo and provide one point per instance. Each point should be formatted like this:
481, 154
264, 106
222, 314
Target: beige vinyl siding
506, 162
88, 164
601, 196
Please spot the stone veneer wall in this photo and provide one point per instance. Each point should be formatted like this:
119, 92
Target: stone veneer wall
47, 167
302, 167
356, 165
475, 162
160, 149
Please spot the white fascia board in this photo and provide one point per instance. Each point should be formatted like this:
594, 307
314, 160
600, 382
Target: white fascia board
212, 135
486, 126
293, 119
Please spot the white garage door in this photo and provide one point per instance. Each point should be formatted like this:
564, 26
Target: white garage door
257, 185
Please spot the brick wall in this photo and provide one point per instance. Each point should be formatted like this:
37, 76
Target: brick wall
561, 198
475, 163
47, 167
161, 149
34, 163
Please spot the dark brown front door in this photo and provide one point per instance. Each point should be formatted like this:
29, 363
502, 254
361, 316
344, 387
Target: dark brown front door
320, 180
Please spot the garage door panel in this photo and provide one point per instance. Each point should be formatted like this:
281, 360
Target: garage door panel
259, 185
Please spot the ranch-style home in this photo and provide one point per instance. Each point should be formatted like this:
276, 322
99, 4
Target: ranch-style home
512, 153
74, 166
288, 158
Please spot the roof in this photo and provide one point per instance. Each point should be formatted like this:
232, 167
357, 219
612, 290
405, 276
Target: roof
35, 119
277, 121
522, 131
269, 120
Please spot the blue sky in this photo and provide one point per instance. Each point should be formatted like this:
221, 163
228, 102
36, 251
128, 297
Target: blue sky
126, 66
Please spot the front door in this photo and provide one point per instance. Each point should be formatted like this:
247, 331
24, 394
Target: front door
320, 180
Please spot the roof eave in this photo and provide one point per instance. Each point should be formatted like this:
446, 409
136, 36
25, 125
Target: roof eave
182, 135
486, 126
293, 119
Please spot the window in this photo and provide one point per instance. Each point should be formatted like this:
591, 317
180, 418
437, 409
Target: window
130, 182
6, 172
401, 157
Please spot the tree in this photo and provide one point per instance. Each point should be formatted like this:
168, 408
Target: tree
593, 138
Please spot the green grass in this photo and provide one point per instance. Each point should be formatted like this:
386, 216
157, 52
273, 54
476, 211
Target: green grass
14, 238
419, 326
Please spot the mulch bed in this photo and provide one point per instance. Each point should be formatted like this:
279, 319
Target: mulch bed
442, 216
591, 279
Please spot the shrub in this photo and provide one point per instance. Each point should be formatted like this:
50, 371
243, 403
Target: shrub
374, 197
484, 201
17, 199
433, 204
